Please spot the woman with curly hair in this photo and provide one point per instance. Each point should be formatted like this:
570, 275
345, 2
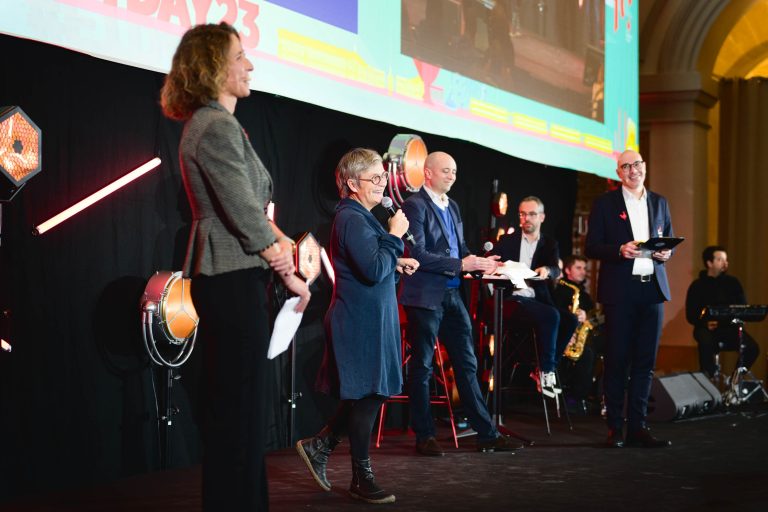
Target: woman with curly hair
232, 251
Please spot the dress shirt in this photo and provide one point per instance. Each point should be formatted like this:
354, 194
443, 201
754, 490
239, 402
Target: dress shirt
637, 209
527, 248
441, 200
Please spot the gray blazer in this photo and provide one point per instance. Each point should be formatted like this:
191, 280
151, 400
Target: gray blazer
228, 190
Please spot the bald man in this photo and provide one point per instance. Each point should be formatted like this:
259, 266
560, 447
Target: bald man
632, 287
434, 307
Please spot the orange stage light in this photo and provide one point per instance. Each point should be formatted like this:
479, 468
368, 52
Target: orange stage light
96, 196
20, 156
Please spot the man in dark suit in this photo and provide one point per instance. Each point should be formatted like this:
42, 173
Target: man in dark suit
533, 306
434, 307
632, 287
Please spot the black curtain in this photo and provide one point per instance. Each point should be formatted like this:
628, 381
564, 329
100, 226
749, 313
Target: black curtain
77, 394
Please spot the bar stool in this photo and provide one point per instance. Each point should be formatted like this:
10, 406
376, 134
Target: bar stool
441, 397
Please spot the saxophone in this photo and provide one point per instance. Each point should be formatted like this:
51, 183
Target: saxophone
575, 347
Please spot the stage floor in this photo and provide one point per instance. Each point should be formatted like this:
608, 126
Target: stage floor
715, 463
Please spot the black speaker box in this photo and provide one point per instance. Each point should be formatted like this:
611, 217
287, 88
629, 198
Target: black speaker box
682, 395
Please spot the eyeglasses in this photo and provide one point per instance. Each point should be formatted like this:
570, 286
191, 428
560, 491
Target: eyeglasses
376, 179
636, 165
523, 215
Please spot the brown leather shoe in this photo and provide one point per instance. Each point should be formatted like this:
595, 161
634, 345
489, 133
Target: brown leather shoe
615, 439
644, 439
429, 447
500, 444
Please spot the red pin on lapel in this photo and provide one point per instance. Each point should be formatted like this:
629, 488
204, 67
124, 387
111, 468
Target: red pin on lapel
623, 215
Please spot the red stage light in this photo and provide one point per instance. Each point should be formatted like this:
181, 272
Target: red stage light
20, 143
96, 196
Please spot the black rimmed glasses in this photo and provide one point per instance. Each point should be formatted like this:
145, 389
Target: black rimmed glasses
377, 179
637, 165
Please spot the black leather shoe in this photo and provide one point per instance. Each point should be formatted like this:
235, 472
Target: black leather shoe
615, 439
500, 444
644, 439
429, 447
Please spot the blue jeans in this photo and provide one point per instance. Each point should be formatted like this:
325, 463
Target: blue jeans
450, 322
553, 329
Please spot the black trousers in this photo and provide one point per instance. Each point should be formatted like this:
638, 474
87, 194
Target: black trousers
234, 335
632, 330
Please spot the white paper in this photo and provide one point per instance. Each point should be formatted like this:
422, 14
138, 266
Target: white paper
516, 272
286, 325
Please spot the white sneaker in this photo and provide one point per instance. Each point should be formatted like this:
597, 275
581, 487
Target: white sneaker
549, 384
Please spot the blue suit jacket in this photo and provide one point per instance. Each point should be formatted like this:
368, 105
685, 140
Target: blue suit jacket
426, 287
609, 229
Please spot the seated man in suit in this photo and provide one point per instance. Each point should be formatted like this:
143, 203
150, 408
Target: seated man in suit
534, 306
716, 288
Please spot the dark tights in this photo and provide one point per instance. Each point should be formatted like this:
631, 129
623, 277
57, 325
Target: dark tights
355, 419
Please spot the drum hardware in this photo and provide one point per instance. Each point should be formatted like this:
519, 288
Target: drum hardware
405, 162
737, 392
169, 329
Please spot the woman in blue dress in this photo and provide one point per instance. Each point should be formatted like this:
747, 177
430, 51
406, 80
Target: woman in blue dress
363, 358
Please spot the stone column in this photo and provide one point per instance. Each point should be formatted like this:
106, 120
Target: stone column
674, 123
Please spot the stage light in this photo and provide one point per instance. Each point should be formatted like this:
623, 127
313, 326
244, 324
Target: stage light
96, 196
167, 313
405, 162
20, 150
499, 204
308, 258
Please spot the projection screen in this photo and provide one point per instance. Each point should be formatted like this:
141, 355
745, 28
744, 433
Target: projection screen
552, 81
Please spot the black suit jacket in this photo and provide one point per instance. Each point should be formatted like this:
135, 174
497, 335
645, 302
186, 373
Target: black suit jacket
609, 229
547, 254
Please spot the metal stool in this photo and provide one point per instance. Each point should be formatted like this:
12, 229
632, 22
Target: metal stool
436, 399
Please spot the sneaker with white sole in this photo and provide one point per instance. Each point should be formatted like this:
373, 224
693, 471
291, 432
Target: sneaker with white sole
549, 384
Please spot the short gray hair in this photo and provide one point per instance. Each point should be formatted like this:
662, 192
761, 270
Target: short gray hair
352, 165
535, 200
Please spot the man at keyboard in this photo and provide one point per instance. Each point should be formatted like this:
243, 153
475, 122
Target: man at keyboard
715, 287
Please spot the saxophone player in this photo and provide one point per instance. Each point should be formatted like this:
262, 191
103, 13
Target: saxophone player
577, 365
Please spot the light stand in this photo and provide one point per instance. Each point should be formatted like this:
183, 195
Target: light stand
168, 315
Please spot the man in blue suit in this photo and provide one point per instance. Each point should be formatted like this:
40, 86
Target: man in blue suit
434, 307
632, 287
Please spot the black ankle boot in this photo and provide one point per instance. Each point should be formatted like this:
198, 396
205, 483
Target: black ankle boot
315, 451
363, 486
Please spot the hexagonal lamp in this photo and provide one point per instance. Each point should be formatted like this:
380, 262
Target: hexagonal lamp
20, 151
308, 257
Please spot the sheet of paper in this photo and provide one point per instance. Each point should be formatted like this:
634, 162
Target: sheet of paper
286, 324
516, 272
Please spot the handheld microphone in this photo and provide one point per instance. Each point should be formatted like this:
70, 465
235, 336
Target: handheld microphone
487, 247
389, 205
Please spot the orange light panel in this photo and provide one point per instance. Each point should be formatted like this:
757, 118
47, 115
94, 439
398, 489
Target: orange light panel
308, 257
96, 196
20, 143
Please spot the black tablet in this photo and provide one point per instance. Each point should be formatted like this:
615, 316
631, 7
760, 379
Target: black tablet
660, 243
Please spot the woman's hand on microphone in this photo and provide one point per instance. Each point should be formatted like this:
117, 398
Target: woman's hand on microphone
398, 224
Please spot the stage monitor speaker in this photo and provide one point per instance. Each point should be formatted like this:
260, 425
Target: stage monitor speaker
682, 395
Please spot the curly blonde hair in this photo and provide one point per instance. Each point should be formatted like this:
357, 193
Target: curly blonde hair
199, 70
352, 165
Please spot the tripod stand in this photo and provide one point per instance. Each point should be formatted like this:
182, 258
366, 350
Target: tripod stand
736, 392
